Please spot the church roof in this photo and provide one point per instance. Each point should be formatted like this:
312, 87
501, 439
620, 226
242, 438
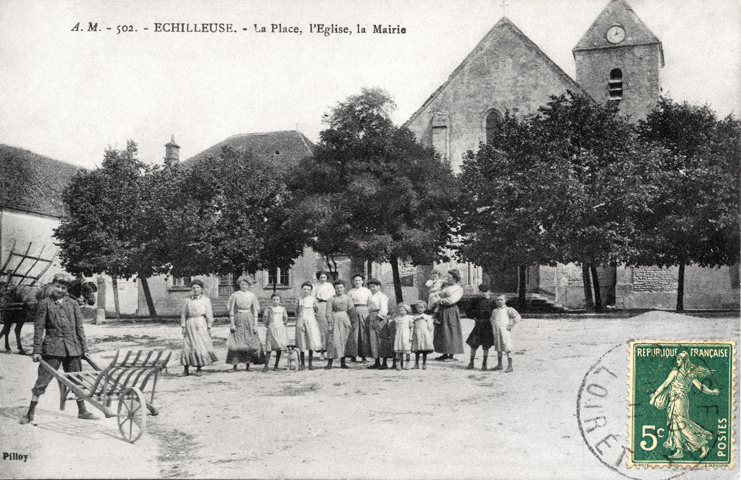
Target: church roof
286, 147
618, 12
503, 24
33, 183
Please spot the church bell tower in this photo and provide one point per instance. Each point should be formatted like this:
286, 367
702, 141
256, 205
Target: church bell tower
619, 60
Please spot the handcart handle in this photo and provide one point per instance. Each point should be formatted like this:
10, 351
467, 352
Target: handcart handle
91, 362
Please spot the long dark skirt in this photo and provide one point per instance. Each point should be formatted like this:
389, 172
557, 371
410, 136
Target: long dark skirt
244, 344
482, 335
337, 338
358, 343
386, 336
323, 317
448, 338
374, 325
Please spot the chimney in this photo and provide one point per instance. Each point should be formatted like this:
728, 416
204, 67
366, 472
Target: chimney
172, 150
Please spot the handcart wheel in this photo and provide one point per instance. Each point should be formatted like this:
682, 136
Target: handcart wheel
132, 414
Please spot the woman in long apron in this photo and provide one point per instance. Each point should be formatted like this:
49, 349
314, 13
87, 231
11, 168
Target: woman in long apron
341, 307
323, 291
448, 338
196, 319
244, 343
358, 343
378, 309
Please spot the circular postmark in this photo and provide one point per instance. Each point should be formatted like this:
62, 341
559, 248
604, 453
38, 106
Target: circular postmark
602, 415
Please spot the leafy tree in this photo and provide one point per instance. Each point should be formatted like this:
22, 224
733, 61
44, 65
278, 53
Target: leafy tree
371, 191
612, 181
229, 217
101, 229
696, 218
502, 219
567, 184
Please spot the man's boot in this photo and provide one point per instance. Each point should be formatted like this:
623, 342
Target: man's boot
28, 418
499, 364
83, 413
483, 365
509, 366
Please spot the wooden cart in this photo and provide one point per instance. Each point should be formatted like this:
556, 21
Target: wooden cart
125, 380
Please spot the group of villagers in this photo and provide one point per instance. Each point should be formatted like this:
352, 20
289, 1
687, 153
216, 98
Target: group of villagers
344, 324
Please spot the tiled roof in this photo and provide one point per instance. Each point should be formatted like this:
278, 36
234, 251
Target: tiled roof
286, 147
32, 182
502, 24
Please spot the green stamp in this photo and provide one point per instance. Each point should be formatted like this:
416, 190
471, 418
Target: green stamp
681, 404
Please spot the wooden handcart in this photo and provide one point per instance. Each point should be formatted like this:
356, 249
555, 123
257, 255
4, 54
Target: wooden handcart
125, 380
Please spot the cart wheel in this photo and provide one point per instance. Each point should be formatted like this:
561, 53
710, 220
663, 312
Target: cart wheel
132, 414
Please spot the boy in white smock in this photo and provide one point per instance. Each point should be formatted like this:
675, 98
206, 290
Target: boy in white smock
503, 319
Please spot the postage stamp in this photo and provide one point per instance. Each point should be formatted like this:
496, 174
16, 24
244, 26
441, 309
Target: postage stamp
681, 403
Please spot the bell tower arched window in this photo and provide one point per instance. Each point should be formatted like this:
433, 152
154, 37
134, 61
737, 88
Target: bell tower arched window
615, 86
493, 124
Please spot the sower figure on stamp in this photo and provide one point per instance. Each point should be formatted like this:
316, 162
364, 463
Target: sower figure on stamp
58, 339
683, 433
503, 318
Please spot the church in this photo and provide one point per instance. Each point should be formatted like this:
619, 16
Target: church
618, 59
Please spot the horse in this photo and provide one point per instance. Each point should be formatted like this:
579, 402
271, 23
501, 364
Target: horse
26, 298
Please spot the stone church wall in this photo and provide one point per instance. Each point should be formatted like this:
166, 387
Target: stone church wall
640, 67
504, 74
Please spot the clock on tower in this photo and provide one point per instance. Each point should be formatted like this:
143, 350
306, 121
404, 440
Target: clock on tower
619, 60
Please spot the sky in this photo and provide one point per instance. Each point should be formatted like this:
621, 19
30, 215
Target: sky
71, 94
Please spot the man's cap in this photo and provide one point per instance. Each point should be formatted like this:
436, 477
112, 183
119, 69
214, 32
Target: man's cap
63, 278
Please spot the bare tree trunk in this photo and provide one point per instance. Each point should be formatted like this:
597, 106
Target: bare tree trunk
597, 294
148, 297
680, 287
397, 279
369, 269
115, 296
589, 302
521, 286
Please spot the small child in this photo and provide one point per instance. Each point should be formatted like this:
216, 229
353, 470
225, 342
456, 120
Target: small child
276, 339
482, 334
403, 337
435, 284
503, 318
422, 334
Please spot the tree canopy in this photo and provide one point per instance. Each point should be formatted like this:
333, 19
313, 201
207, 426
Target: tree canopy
103, 228
371, 191
567, 184
695, 219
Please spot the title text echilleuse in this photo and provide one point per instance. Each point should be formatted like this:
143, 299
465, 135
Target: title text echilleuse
323, 29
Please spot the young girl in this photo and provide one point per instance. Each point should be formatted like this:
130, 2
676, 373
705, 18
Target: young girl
276, 338
422, 334
308, 336
403, 338
341, 307
482, 334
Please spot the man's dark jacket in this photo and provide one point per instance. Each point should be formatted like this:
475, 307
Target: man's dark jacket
62, 322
